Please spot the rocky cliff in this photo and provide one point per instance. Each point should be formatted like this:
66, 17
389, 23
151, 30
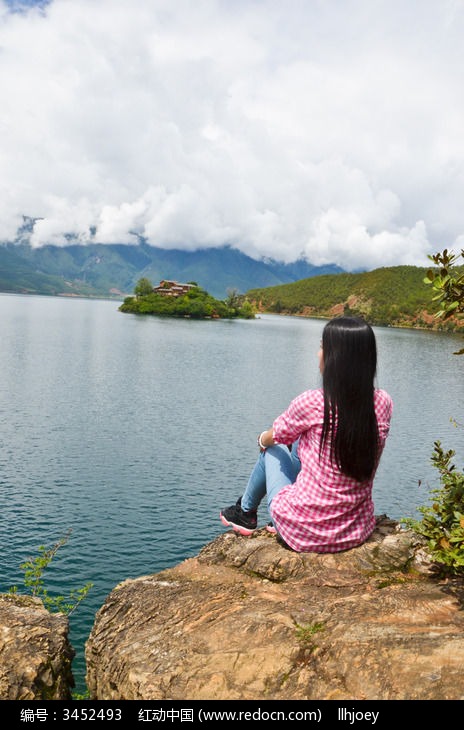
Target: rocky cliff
35, 654
249, 619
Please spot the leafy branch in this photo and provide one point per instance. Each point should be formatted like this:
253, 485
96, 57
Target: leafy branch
448, 285
33, 569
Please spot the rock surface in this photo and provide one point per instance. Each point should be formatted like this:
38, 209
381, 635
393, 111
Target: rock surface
35, 655
248, 619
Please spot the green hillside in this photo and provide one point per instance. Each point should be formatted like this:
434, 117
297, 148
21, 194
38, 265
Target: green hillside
20, 276
395, 296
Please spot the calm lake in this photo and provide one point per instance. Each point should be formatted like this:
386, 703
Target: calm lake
134, 431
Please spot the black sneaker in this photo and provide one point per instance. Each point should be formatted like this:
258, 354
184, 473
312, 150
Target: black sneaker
243, 522
270, 528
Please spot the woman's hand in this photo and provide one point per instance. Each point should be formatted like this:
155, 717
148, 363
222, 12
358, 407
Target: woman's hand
265, 439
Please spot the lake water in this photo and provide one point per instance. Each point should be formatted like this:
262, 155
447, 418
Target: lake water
134, 431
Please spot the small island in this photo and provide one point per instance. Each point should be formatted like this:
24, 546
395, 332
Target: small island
174, 299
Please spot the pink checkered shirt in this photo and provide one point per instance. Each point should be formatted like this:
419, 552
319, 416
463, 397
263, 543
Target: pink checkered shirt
324, 511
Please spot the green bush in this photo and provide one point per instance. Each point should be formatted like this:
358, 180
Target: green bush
442, 523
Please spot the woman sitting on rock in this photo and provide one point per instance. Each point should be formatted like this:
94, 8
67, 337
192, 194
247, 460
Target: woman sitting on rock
318, 461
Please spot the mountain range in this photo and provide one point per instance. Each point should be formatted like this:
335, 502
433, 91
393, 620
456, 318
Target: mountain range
387, 296
112, 270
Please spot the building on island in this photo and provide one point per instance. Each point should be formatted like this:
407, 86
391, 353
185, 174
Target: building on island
172, 288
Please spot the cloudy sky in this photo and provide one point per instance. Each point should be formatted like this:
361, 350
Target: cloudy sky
329, 129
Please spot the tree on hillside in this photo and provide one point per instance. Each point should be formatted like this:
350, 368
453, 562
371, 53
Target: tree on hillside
233, 298
143, 287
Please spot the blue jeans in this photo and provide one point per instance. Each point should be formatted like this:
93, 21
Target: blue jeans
275, 468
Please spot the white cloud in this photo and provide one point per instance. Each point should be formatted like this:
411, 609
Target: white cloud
325, 129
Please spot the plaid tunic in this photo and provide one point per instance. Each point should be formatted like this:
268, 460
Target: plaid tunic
324, 511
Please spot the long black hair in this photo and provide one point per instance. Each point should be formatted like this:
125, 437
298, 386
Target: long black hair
350, 424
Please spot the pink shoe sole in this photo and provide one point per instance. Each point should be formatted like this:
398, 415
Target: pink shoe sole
237, 528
